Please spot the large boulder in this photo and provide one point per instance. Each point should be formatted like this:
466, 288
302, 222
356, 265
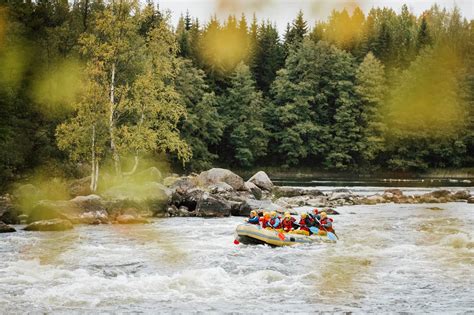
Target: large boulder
211, 206
50, 225
256, 191
49, 209
4, 228
188, 199
216, 175
285, 191
261, 180
183, 184
252, 204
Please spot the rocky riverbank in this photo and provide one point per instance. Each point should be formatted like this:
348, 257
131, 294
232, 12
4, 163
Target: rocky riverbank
213, 193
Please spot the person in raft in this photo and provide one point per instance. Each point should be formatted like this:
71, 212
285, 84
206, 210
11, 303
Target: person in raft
305, 223
265, 220
275, 221
253, 218
326, 224
287, 222
316, 217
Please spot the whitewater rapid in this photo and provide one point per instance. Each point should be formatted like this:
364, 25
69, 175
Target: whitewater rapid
390, 258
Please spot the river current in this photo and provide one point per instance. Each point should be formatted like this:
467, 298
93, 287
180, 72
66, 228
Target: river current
390, 258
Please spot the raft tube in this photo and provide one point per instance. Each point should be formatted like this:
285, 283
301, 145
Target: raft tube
255, 234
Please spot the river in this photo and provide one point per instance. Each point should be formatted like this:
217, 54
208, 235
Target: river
390, 258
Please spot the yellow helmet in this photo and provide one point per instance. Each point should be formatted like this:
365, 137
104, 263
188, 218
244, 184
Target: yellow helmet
323, 215
273, 213
253, 212
266, 214
304, 215
287, 214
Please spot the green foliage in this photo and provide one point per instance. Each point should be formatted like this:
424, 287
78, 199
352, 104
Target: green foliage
381, 90
245, 138
371, 90
202, 127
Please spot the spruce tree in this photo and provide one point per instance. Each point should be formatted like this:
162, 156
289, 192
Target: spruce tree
245, 138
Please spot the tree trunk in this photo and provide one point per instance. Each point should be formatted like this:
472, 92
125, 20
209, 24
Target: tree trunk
94, 163
113, 148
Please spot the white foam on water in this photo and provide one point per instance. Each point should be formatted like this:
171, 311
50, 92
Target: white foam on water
383, 263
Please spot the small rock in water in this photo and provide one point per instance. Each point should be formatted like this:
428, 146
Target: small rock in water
50, 225
5, 228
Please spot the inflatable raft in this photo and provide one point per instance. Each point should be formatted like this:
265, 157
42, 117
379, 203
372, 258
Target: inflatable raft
255, 234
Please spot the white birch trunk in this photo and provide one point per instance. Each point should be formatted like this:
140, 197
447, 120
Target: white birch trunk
113, 147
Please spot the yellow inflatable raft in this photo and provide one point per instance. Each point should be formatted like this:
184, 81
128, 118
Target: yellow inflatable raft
254, 234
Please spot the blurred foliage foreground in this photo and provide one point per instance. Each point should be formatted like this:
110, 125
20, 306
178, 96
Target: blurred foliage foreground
90, 84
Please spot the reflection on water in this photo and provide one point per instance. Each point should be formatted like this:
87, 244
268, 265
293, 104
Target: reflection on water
391, 258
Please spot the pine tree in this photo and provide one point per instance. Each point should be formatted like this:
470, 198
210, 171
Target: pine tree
245, 138
294, 35
202, 127
268, 57
423, 36
370, 88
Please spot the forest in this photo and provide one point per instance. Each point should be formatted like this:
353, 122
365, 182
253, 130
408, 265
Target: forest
93, 85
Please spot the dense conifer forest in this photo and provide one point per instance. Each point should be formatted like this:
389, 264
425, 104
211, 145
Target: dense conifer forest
87, 84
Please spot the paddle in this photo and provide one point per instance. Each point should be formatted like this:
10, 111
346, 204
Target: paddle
331, 236
281, 236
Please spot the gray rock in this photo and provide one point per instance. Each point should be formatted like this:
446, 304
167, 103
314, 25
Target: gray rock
462, 195
346, 195
50, 225
215, 175
394, 192
188, 198
4, 228
284, 191
261, 180
220, 188
440, 193
210, 206
94, 217
184, 184
252, 204
256, 191
320, 201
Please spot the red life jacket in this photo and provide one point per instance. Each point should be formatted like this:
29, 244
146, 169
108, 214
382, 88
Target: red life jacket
265, 222
287, 223
324, 222
303, 225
